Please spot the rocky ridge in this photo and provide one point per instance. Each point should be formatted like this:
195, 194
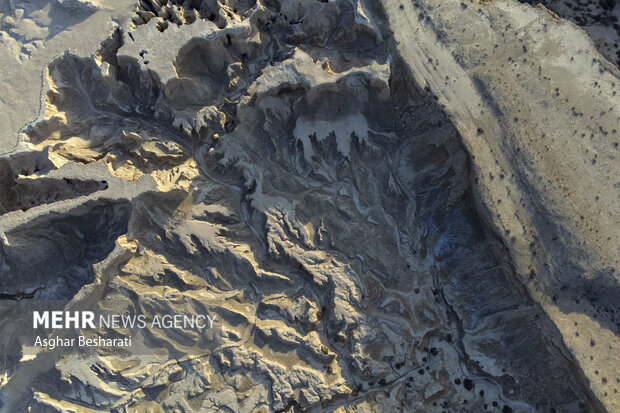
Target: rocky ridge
278, 161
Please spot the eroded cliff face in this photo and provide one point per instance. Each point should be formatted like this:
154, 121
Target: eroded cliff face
538, 110
278, 161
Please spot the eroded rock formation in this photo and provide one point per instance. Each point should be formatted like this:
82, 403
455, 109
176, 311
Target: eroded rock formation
282, 162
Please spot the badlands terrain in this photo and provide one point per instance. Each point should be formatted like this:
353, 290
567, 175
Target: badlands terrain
390, 205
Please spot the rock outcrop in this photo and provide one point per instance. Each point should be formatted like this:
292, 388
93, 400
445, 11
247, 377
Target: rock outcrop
538, 110
375, 198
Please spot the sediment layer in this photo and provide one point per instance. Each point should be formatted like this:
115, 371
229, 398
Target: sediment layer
379, 199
